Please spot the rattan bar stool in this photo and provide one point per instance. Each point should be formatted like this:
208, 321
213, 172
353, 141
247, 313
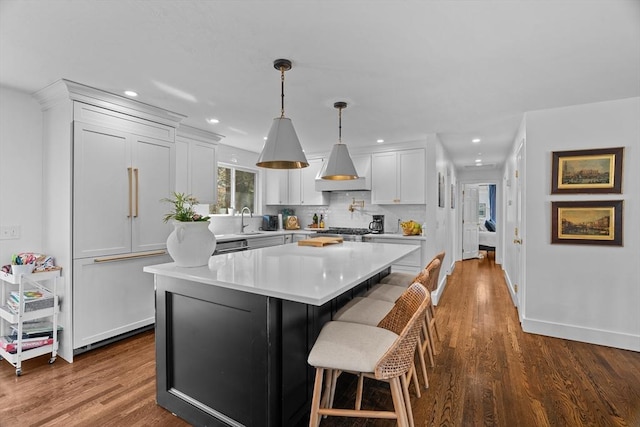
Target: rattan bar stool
405, 279
371, 311
428, 276
371, 351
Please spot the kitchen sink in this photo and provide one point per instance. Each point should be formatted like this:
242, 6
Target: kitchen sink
249, 233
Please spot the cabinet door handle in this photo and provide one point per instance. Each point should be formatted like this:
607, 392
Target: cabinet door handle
129, 171
135, 172
129, 256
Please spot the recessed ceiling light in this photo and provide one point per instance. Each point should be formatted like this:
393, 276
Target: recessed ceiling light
478, 164
213, 121
130, 93
264, 137
380, 141
478, 160
475, 140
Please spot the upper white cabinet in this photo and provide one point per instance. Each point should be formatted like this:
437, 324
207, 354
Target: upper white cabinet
295, 186
196, 167
119, 180
277, 187
398, 177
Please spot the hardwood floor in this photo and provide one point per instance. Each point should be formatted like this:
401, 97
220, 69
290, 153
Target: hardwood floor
488, 372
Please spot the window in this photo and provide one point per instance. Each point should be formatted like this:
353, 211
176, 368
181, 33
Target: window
236, 188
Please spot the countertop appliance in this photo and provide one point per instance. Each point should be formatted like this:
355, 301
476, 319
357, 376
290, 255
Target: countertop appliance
377, 225
269, 222
348, 234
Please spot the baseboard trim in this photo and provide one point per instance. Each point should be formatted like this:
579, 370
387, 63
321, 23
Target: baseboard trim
514, 297
435, 295
582, 334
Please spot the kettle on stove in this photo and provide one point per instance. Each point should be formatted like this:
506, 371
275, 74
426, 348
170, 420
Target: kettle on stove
377, 225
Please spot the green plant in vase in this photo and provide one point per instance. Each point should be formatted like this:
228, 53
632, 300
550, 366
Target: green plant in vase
191, 243
183, 209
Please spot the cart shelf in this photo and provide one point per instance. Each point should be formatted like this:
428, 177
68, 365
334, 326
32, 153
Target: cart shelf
27, 282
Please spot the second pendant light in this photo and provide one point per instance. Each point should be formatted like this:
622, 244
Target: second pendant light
339, 166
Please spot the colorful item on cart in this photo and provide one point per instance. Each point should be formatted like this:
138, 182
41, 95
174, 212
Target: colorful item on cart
42, 262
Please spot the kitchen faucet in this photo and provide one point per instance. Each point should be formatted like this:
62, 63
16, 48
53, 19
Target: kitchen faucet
242, 225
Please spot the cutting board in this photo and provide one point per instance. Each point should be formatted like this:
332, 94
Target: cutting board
320, 241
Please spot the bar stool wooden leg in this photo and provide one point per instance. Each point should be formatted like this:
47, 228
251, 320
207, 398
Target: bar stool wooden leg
423, 364
399, 403
359, 392
426, 344
407, 399
432, 342
432, 313
314, 419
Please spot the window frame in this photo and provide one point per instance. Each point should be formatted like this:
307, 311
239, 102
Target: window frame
234, 167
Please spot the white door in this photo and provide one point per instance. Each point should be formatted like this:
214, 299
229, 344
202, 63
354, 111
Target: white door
470, 223
101, 185
384, 188
517, 233
153, 179
277, 186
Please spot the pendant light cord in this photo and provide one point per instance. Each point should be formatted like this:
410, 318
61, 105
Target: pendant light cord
282, 92
339, 125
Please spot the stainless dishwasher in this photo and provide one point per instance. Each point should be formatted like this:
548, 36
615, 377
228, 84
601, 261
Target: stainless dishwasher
231, 246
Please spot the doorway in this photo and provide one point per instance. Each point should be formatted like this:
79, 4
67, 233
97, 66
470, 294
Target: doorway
480, 220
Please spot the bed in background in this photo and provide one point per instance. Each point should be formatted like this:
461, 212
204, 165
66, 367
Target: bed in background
487, 236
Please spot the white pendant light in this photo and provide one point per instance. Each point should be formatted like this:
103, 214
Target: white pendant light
339, 167
282, 148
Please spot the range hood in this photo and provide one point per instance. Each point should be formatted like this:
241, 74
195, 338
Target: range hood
363, 183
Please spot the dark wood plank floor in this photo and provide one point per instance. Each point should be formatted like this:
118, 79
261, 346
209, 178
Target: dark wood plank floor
488, 372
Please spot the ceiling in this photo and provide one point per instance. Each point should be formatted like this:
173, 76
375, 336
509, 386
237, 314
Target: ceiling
407, 69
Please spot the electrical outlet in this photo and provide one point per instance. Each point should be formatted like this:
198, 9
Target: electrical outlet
9, 232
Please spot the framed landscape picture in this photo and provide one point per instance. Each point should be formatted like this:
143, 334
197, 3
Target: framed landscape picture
587, 171
591, 222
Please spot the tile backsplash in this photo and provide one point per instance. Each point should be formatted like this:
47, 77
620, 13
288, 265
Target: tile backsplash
337, 214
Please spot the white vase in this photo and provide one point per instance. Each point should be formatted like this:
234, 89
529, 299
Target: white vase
191, 244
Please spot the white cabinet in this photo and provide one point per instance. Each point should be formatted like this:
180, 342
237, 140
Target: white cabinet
107, 163
398, 177
119, 180
412, 263
277, 187
111, 296
295, 186
196, 167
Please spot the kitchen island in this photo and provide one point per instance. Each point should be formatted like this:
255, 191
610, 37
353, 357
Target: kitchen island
232, 337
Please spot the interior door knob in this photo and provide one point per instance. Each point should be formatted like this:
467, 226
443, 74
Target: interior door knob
517, 241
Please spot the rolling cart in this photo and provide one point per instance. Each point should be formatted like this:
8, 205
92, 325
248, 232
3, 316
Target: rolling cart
29, 311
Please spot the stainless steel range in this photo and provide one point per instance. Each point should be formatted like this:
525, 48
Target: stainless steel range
348, 234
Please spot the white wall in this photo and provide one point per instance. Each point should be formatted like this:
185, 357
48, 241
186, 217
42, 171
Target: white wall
509, 212
442, 222
20, 172
583, 292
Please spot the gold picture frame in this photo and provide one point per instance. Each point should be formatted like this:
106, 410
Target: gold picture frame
587, 171
588, 223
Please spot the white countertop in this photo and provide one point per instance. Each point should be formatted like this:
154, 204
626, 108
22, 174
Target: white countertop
306, 274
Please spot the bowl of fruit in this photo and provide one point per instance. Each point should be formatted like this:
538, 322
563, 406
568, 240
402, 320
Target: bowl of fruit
411, 228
